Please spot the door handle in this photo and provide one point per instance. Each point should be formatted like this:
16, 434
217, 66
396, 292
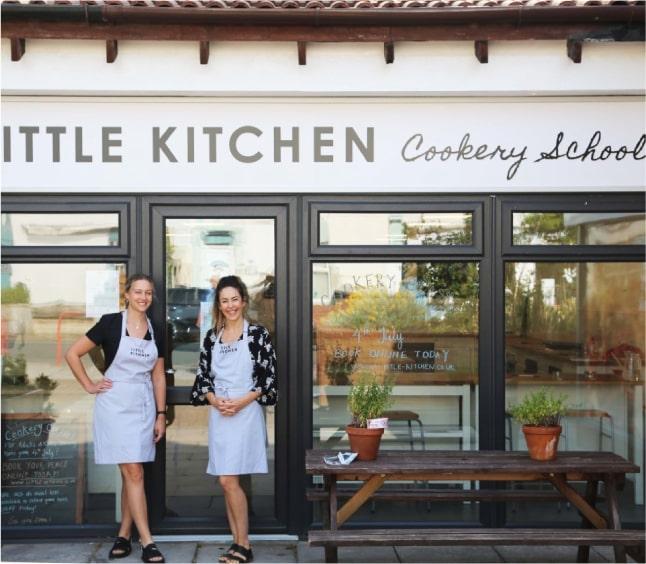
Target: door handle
170, 410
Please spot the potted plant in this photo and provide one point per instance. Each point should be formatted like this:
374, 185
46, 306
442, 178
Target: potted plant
367, 400
540, 413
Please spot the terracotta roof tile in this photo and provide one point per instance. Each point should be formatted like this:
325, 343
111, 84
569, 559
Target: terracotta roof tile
328, 4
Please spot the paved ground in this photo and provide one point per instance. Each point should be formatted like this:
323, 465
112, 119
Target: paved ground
293, 551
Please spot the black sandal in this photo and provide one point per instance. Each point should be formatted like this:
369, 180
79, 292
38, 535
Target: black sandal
242, 555
233, 548
151, 551
121, 548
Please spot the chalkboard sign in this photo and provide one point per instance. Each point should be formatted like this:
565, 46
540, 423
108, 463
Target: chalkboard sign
43, 471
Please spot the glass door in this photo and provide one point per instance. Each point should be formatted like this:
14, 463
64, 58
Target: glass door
199, 246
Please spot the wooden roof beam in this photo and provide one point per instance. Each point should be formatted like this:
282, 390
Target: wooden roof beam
575, 50
345, 34
482, 51
111, 50
389, 52
205, 51
17, 48
302, 52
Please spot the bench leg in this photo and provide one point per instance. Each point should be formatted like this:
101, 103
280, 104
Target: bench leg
583, 554
613, 510
331, 554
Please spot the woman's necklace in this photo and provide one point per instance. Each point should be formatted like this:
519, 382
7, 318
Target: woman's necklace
137, 326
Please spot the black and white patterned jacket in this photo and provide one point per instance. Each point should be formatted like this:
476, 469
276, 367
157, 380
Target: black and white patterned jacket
264, 367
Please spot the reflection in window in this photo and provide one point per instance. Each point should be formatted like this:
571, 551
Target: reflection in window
451, 228
60, 229
48, 471
190, 492
578, 328
198, 253
415, 322
561, 228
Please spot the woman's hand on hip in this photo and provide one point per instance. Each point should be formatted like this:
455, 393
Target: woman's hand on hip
160, 427
102, 386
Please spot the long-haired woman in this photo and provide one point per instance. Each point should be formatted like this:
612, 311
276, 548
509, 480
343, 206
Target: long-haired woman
130, 406
236, 376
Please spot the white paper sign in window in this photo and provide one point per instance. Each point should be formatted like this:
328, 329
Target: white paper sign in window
101, 292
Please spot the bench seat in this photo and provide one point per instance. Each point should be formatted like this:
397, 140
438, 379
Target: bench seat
475, 536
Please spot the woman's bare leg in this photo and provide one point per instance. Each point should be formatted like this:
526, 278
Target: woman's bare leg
133, 479
237, 509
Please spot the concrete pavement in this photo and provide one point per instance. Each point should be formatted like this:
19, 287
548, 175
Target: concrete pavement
288, 551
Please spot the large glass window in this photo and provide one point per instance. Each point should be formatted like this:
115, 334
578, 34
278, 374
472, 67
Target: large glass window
433, 228
578, 329
579, 228
414, 322
60, 229
48, 471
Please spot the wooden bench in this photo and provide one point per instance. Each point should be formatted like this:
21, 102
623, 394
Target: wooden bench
474, 537
484, 466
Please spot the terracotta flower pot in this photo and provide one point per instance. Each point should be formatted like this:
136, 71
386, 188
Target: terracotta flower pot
542, 442
365, 442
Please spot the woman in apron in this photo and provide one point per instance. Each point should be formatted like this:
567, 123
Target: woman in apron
237, 375
130, 405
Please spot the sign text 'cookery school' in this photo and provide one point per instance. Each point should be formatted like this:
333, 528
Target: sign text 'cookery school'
249, 144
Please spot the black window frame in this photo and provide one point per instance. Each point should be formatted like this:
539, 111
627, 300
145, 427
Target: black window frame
124, 253
590, 203
400, 204
506, 252
125, 207
481, 205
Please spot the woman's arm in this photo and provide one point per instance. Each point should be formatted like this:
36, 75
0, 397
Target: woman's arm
265, 372
159, 389
73, 358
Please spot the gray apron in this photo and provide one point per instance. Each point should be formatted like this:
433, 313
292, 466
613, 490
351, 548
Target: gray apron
124, 415
237, 443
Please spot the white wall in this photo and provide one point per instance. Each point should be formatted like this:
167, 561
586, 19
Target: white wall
259, 68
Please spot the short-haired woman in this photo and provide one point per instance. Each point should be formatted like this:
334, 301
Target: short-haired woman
236, 376
130, 406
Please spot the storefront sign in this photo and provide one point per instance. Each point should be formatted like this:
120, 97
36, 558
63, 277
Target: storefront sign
154, 145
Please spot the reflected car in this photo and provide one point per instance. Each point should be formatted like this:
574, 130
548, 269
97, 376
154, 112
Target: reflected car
183, 312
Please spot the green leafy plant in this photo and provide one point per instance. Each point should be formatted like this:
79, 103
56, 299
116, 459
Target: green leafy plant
369, 398
18, 294
45, 383
373, 309
340, 363
540, 409
14, 370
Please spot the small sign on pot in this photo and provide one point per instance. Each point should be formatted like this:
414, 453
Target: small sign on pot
379, 423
